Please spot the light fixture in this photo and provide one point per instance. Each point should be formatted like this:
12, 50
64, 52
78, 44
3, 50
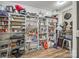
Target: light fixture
60, 2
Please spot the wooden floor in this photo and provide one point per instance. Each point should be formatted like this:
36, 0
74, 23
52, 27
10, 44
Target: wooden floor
48, 53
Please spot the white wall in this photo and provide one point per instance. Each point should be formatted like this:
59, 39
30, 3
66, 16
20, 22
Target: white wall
74, 18
74, 52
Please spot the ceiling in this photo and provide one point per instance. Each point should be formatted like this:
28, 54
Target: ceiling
48, 5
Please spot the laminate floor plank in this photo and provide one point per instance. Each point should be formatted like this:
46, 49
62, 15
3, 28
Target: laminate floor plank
48, 53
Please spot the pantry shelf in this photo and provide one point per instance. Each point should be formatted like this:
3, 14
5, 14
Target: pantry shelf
17, 27
3, 17
17, 21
